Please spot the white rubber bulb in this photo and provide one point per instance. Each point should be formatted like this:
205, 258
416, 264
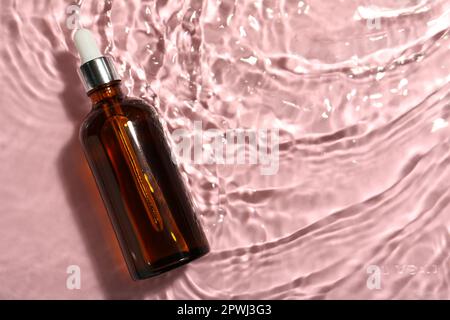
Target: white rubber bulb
86, 45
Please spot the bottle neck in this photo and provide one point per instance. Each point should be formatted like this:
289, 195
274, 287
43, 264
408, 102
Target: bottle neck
108, 93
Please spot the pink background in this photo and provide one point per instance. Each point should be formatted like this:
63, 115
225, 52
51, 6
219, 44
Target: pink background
363, 175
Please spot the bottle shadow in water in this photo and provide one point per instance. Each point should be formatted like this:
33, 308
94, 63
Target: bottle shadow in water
86, 203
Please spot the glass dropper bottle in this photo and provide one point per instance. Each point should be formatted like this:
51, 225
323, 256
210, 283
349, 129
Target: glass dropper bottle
145, 196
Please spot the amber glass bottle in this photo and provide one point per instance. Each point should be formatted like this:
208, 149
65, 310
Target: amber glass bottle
140, 185
142, 189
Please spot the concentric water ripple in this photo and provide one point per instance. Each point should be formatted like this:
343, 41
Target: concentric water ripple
360, 93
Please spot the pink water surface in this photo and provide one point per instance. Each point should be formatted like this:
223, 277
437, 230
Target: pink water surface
364, 168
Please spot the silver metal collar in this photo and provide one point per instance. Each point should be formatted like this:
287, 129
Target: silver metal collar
98, 71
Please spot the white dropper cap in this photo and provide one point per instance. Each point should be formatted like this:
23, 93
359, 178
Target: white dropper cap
86, 45
96, 69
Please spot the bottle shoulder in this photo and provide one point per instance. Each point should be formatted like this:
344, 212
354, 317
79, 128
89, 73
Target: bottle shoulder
133, 109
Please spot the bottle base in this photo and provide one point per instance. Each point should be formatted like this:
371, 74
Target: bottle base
170, 262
